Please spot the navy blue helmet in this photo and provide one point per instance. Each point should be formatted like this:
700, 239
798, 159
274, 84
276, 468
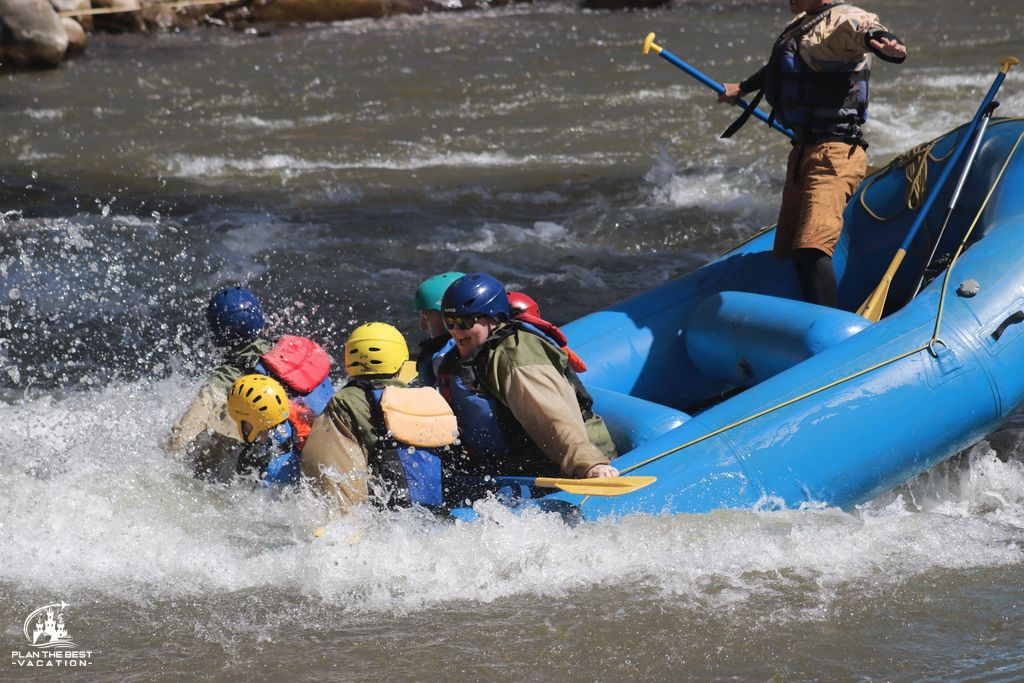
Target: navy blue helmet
234, 316
475, 294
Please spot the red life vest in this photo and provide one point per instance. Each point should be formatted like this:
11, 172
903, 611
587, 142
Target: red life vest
557, 335
301, 418
300, 363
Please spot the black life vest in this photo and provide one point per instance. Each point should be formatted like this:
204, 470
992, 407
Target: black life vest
817, 105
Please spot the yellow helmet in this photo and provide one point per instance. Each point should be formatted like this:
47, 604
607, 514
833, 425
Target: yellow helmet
259, 401
375, 349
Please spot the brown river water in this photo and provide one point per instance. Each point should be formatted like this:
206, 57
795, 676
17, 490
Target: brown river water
333, 167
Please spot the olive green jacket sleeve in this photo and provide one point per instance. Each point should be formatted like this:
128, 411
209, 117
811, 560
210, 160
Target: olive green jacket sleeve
529, 378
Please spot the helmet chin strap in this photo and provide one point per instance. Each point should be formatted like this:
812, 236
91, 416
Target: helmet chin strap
491, 323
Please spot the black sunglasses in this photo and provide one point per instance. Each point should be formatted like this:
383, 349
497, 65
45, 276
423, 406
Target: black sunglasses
463, 323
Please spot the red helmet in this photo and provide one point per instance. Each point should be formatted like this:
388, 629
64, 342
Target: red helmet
519, 303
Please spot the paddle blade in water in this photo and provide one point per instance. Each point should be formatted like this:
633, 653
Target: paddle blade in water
605, 486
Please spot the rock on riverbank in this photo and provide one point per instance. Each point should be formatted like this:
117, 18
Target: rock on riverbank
33, 34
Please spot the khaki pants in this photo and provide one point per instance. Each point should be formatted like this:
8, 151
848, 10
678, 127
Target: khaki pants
820, 179
335, 463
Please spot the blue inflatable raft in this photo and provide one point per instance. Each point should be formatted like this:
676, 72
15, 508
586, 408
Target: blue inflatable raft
733, 392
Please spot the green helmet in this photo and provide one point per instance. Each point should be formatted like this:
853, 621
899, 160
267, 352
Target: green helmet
430, 291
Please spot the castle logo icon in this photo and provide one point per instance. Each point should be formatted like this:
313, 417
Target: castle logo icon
46, 627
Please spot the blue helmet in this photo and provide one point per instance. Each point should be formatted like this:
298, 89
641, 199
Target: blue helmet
475, 294
234, 316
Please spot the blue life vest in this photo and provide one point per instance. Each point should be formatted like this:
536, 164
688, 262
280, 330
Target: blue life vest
428, 362
494, 440
319, 397
285, 468
277, 461
412, 472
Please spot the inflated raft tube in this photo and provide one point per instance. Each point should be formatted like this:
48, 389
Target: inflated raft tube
744, 338
633, 421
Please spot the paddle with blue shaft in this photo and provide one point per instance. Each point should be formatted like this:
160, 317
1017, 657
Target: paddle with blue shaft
649, 45
978, 136
600, 486
875, 303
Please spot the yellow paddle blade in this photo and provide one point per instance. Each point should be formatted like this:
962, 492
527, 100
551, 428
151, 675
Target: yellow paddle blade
604, 486
875, 303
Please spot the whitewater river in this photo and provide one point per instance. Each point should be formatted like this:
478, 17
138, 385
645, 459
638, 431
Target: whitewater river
332, 167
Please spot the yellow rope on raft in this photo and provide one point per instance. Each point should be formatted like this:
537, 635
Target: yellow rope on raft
915, 160
138, 8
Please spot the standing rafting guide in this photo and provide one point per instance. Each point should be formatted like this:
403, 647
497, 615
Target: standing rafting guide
816, 82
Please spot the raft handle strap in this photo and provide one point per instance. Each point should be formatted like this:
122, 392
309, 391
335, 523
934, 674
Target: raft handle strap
1012, 319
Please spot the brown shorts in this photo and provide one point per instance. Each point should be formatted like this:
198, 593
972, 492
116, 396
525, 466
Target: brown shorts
820, 179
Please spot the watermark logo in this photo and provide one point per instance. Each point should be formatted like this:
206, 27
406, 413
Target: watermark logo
50, 629
50, 643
